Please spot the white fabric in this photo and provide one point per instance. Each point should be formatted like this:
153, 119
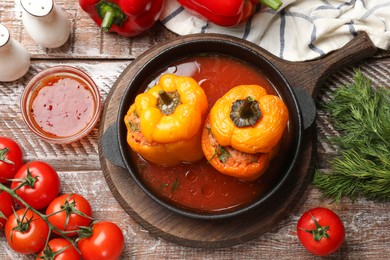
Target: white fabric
299, 30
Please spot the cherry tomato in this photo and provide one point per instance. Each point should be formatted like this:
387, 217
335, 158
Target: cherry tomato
73, 205
26, 232
43, 184
7, 206
104, 241
321, 231
11, 158
54, 250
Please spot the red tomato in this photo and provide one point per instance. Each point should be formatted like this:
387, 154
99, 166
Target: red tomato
73, 205
105, 242
321, 231
53, 250
11, 158
29, 235
43, 187
7, 206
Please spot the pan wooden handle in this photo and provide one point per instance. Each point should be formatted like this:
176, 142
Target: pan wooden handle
310, 75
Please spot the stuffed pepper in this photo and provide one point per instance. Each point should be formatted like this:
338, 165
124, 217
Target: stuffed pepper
164, 125
243, 131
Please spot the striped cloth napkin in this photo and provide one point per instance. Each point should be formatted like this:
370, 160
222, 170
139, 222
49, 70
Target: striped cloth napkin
300, 30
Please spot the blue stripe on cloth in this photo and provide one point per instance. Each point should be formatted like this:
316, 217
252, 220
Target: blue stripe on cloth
172, 15
372, 10
247, 29
313, 35
248, 24
316, 49
300, 15
204, 28
352, 2
352, 28
282, 32
324, 7
328, 5
311, 45
268, 11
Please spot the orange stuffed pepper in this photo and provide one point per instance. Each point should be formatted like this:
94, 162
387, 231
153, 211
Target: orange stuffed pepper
243, 131
164, 125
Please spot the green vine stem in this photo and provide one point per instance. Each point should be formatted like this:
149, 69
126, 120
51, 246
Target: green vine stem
43, 216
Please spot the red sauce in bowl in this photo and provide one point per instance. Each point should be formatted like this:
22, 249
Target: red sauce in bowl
61, 104
198, 186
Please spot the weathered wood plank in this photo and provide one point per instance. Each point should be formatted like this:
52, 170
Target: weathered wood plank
86, 39
103, 57
70, 156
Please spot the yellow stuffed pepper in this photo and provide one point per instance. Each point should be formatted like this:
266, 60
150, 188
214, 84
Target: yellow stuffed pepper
164, 125
243, 131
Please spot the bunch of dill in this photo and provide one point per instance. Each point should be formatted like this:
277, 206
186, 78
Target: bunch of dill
362, 167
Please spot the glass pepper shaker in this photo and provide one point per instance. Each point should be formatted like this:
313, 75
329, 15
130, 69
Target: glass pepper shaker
45, 22
14, 57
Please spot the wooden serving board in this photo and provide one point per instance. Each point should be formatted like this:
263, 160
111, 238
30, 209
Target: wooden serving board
228, 232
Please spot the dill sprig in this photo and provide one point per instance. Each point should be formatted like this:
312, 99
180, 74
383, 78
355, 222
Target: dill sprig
362, 166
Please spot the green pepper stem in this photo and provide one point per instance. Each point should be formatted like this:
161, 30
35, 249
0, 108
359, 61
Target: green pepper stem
247, 108
274, 4
107, 20
166, 99
168, 102
110, 14
245, 112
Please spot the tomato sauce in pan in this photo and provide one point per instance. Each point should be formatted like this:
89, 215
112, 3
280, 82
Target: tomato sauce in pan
198, 186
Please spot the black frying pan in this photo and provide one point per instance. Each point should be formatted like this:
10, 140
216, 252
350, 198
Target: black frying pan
300, 105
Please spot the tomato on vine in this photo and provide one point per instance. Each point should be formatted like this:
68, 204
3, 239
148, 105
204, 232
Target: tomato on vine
68, 212
321, 231
7, 206
59, 249
11, 159
26, 232
37, 183
103, 240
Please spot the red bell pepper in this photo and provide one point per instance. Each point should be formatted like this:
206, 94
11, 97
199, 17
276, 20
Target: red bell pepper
226, 12
125, 17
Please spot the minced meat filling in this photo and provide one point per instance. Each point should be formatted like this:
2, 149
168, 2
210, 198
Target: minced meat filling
133, 122
230, 156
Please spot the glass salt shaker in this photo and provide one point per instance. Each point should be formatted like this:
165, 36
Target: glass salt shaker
14, 57
45, 22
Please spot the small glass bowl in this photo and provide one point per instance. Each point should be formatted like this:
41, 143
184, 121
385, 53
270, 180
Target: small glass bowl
35, 85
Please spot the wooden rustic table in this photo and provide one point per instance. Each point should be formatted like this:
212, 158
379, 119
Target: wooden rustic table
104, 56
